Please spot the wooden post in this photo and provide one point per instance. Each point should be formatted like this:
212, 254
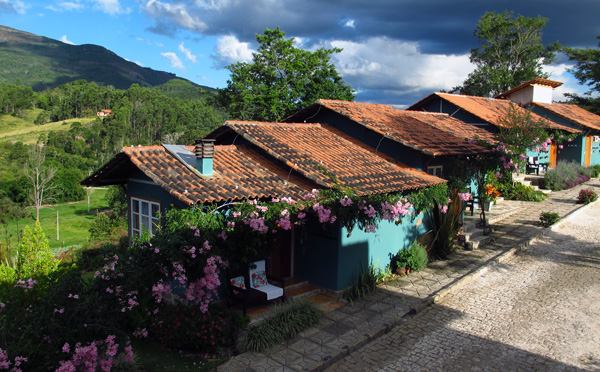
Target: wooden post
57, 235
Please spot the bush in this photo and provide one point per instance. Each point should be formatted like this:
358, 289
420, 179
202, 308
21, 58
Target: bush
365, 283
587, 196
518, 191
548, 218
184, 327
414, 258
596, 170
566, 175
287, 321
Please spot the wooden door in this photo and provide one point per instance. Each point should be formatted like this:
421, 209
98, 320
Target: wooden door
281, 259
553, 154
588, 151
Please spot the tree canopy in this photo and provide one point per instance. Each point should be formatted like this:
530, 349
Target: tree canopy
587, 71
510, 53
281, 80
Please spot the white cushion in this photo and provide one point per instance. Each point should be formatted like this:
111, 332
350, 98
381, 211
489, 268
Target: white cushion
271, 291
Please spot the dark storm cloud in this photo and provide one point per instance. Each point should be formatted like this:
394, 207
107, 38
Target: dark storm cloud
395, 51
439, 26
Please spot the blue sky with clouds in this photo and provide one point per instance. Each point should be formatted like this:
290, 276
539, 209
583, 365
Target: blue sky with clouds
395, 51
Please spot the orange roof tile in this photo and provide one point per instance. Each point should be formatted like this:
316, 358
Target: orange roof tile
573, 113
240, 172
311, 149
432, 134
492, 110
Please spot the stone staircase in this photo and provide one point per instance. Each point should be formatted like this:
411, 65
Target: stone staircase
531, 180
296, 289
471, 236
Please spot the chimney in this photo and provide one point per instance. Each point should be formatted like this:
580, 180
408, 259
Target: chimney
204, 150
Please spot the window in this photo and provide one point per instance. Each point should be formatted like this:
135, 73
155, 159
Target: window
435, 170
144, 216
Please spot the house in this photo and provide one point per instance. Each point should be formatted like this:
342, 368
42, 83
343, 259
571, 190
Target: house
248, 160
537, 96
487, 113
104, 113
425, 141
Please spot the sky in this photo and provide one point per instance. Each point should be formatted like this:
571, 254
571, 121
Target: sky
394, 51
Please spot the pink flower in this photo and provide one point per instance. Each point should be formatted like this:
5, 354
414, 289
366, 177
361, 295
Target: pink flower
66, 348
301, 215
560, 146
236, 214
275, 200
472, 141
465, 196
346, 201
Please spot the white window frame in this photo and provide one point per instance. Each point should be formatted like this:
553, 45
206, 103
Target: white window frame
435, 170
144, 216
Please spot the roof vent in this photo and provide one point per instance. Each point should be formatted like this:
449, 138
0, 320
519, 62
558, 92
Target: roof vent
204, 150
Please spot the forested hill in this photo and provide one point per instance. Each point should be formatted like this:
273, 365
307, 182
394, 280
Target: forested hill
41, 63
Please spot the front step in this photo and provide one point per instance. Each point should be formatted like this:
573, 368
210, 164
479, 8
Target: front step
302, 291
325, 302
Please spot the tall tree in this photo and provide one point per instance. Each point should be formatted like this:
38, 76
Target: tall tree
281, 80
510, 53
40, 175
587, 71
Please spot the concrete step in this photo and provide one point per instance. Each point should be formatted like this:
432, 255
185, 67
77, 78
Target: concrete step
477, 242
324, 302
304, 291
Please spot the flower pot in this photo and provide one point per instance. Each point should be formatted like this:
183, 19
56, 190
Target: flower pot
401, 271
487, 206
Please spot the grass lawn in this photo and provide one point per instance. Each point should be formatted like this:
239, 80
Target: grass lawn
154, 358
74, 222
16, 129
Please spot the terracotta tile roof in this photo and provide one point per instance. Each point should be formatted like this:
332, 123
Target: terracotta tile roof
573, 113
537, 81
312, 148
432, 134
489, 110
240, 172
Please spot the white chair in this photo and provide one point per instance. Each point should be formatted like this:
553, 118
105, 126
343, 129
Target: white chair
258, 281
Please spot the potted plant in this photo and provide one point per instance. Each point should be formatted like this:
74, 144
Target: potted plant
491, 194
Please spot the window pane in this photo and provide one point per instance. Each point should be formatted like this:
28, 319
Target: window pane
146, 223
154, 210
145, 208
135, 219
154, 225
135, 206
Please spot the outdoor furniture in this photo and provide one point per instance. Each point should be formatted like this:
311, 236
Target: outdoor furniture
251, 287
532, 165
473, 201
259, 281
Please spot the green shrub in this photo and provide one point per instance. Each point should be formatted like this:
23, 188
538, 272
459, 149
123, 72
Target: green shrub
587, 196
548, 218
596, 170
518, 191
414, 258
365, 283
566, 175
286, 321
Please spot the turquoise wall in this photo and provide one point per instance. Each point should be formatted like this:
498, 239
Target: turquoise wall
595, 159
332, 258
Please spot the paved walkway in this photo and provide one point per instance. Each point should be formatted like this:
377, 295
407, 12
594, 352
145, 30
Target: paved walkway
351, 327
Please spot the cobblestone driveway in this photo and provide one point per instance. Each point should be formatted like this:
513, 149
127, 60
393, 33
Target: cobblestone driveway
538, 312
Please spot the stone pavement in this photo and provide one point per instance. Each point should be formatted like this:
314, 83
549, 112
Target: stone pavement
353, 326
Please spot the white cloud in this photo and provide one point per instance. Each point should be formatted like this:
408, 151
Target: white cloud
67, 6
349, 23
230, 50
559, 72
15, 6
187, 52
173, 59
64, 40
175, 13
110, 7
380, 63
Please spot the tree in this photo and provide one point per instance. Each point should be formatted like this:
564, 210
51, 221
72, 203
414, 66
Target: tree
40, 176
35, 258
281, 80
510, 53
587, 71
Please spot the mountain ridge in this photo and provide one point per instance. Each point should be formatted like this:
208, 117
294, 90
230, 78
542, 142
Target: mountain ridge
42, 63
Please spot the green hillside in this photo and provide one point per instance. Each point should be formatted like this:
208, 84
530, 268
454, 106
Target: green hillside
42, 63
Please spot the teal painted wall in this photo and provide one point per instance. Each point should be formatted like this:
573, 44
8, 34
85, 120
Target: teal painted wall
331, 259
595, 158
